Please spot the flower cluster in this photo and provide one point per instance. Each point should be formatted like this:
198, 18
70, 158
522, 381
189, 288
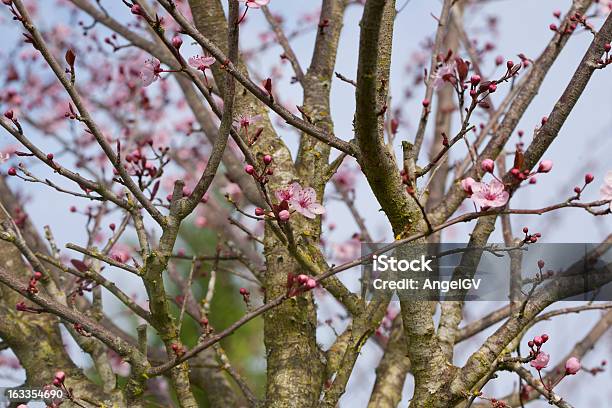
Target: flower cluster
301, 200
36, 277
539, 358
299, 284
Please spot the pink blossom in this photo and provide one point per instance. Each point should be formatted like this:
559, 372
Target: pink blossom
287, 193
255, 3
489, 195
304, 202
541, 361
4, 157
348, 250
121, 253
606, 188
244, 121
201, 62
345, 178
150, 72
572, 366
443, 74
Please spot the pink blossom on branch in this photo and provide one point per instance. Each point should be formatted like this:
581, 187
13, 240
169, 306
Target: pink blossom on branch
541, 361
201, 62
490, 195
301, 200
443, 74
304, 202
150, 71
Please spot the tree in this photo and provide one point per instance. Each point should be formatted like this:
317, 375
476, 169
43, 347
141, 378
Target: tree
172, 146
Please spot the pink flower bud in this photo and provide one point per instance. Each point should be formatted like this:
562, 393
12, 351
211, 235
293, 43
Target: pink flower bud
466, 184
537, 340
553, 27
499, 60
60, 376
177, 41
475, 79
525, 230
249, 169
544, 338
9, 114
267, 159
284, 215
259, 211
12, 171
136, 10
244, 291
492, 87
557, 13
588, 178
487, 165
426, 103
541, 264
38, 276
608, 47
509, 64
311, 283
572, 366
545, 166
302, 279
577, 190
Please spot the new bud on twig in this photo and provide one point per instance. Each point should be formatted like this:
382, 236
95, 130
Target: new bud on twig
177, 41
545, 166
487, 165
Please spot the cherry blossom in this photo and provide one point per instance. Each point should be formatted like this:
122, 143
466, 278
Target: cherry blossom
255, 3
201, 62
541, 361
301, 200
287, 193
150, 71
572, 366
345, 178
304, 202
606, 188
244, 121
443, 74
490, 195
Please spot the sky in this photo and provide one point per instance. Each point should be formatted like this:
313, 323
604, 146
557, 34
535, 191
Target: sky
584, 143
